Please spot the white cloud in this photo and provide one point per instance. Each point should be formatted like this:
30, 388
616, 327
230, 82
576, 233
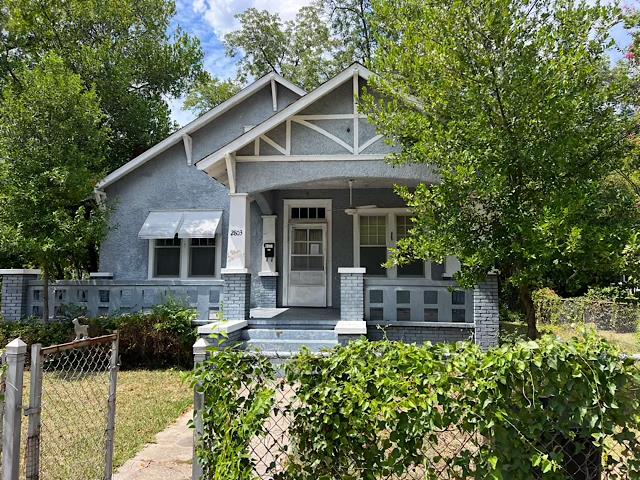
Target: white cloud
219, 14
199, 6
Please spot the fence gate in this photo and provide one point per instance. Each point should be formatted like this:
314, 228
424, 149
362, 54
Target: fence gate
72, 400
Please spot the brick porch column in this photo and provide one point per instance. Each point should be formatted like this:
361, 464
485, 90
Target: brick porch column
236, 299
14, 292
352, 324
485, 312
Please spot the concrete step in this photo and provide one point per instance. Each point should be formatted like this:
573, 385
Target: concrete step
289, 334
296, 324
276, 346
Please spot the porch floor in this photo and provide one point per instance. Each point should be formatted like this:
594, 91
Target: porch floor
294, 317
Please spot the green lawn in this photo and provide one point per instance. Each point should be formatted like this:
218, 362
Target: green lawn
626, 342
73, 420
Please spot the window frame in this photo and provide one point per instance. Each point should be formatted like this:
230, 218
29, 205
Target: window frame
185, 260
391, 238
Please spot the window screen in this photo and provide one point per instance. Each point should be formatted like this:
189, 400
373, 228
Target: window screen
202, 257
373, 244
414, 269
167, 258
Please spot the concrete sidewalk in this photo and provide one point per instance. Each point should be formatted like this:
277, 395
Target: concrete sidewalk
169, 458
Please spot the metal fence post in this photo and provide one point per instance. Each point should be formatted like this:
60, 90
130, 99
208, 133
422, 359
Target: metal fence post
111, 409
33, 412
15, 354
199, 355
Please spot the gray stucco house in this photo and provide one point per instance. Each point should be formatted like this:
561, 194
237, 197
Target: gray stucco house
274, 210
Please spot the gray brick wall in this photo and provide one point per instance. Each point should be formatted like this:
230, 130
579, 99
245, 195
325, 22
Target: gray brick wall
236, 301
266, 294
351, 296
485, 312
14, 296
419, 334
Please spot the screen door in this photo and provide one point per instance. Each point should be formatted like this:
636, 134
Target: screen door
307, 266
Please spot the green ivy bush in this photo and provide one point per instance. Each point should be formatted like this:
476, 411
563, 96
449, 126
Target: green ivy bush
370, 410
238, 396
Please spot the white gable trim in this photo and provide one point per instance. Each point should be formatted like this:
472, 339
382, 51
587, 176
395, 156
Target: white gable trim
356, 70
198, 123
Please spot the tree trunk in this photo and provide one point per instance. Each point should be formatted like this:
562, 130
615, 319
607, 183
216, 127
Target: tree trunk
45, 297
526, 300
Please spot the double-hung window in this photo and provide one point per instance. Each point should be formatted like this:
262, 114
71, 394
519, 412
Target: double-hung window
184, 258
373, 243
377, 234
166, 257
202, 257
416, 268
182, 243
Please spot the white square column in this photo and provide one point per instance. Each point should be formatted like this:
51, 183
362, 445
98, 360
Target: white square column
238, 246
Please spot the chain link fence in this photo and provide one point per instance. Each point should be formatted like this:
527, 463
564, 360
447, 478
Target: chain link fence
451, 453
71, 410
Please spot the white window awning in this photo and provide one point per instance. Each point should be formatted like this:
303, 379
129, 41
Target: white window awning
184, 223
200, 224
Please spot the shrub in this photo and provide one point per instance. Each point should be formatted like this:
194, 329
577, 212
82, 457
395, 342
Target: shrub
32, 330
377, 409
606, 313
162, 338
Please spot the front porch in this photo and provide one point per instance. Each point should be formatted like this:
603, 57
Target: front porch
313, 262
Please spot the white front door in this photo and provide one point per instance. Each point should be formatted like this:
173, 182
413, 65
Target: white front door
307, 275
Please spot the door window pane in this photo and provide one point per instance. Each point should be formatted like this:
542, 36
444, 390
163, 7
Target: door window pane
307, 253
202, 257
167, 258
315, 235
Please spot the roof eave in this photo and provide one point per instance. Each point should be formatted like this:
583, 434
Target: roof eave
195, 125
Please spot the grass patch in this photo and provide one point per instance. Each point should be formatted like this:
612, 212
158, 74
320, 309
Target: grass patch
148, 402
74, 418
626, 342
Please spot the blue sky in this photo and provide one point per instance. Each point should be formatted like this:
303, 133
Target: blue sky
210, 20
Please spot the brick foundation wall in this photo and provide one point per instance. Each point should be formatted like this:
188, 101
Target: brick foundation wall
14, 295
419, 334
267, 292
236, 301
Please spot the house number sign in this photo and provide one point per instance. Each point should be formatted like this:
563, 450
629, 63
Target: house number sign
237, 232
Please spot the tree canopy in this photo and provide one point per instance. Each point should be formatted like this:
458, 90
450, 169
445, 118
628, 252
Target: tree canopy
323, 39
123, 49
52, 144
517, 105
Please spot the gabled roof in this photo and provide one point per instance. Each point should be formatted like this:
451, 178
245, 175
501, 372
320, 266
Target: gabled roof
196, 124
219, 155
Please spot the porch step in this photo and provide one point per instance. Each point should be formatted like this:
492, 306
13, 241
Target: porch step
290, 334
291, 324
288, 345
